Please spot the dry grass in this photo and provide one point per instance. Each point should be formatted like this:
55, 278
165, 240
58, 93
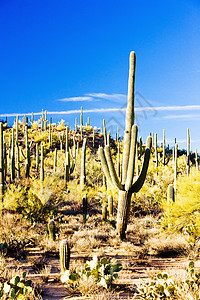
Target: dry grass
168, 246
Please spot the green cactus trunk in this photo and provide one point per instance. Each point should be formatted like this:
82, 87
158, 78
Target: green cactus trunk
83, 156
163, 158
110, 205
27, 153
175, 165
13, 156
188, 152
196, 161
42, 163
126, 187
170, 200
55, 160
156, 151
64, 255
1, 162
84, 208
51, 230
104, 213
37, 157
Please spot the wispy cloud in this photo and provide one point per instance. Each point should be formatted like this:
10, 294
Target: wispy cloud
181, 117
96, 97
170, 108
77, 99
110, 97
115, 109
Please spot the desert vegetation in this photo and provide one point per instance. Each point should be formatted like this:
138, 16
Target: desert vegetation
97, 217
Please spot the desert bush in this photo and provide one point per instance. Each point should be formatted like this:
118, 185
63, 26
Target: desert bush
14, 230
165, 245
184, 214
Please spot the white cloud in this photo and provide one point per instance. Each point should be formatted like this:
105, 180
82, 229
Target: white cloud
108, 96
102, 110
76, 99
169, 108
181, 117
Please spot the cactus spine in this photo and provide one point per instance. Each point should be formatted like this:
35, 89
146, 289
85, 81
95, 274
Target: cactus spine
64, 255
1, 162
126, 187
51, 229
83, 156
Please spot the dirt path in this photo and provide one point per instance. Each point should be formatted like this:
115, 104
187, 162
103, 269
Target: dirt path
134, 272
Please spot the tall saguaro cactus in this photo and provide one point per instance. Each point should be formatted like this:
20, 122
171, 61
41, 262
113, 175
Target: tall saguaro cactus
83, 155
1, 162
126, 187
188, 152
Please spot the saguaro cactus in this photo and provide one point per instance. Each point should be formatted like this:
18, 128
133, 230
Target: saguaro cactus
69, 163
83, 155
104, 213
170, 200
110, 205
42, 163
126, 187
175, 165
163, 158
64, 255
156, 151
188, 152
196, 160
51, 229
84, 208
1, 162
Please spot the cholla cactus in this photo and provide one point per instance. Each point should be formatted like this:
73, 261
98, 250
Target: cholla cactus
125, 186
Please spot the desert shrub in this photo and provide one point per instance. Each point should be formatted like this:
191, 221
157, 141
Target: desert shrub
184, 214
168, 245
14, 230
14, 197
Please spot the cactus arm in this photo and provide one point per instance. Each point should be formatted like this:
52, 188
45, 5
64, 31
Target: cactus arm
104, 132
113, 173
129, 116
131, 166
105, 167
140, 181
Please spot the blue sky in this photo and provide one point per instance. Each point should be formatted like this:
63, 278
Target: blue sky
61, 55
